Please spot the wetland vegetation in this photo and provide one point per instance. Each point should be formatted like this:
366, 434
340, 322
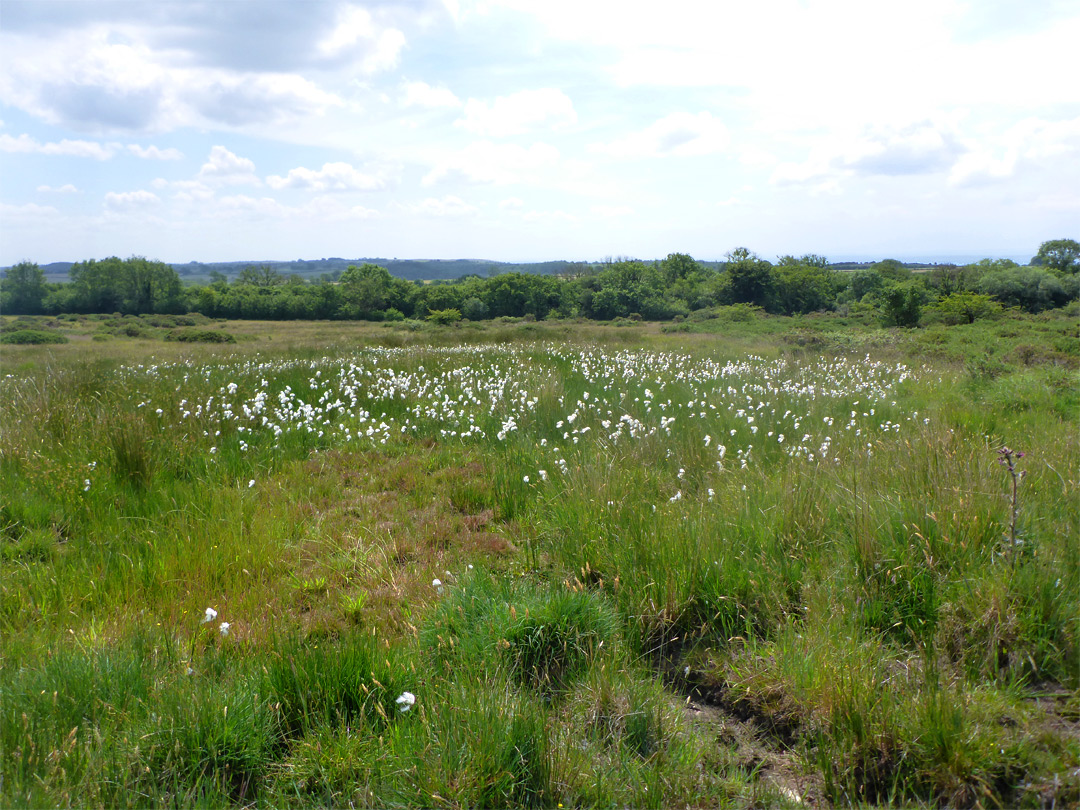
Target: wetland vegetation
738, 560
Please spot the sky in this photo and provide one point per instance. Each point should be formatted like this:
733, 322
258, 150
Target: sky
533, 130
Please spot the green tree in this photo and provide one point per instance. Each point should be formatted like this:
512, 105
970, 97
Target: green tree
1062, 255
949, 278
23, 289
966, 307
262, 276
808, 260
365, 290
474, 309
865, 281
892, 269
678, 266
1033, 288
148, 286
752, 280
805, 287
97, 285
902, 304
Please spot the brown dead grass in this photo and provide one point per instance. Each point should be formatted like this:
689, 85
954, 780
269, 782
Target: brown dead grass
379, 529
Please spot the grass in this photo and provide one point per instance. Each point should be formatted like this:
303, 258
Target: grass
757, 559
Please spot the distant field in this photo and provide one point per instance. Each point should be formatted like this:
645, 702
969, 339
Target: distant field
736, 562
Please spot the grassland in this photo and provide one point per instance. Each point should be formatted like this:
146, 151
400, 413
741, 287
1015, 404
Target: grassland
744, 561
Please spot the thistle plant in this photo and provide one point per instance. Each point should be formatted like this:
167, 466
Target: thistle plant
1007, 458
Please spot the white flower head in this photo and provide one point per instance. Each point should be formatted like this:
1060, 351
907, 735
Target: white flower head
405, 701
223, 628
251, 483
210, 615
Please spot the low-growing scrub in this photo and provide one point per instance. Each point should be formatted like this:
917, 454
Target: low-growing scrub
25, 337
200, 336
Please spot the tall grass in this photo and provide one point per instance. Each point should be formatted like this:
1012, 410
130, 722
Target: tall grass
863, 613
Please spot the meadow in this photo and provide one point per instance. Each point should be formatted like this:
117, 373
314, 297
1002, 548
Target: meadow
737, 561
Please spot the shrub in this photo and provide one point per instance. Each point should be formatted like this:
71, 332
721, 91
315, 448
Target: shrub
133, 330
444, 317
32, 337
200, 336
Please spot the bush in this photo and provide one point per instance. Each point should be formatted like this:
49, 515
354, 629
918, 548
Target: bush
32, 337
965, 307
444, 317
133, 330
901, 305
200, 336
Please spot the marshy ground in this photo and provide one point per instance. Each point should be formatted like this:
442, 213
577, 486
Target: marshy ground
752, 561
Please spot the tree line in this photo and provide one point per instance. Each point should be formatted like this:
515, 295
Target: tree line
667, 289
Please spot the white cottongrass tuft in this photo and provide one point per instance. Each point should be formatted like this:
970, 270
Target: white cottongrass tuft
210, 615
405, 701
223, 628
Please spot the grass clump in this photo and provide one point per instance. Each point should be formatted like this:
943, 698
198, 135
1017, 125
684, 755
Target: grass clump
317, 683
544, 639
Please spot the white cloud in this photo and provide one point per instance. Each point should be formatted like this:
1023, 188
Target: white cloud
110, 78
830, 63
331, 208
448, 206
67, 188
79, 148
222, 166
332, 177
920, 148
154, 152
923, 147
24, 144
487, 162
680, 134
318, 209
251, 100
242, 204
357, 31
518, 113
512, 204
187, 190
125, 201
1031, 143
422, 94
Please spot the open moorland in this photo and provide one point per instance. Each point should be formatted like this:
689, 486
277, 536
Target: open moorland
736, 561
